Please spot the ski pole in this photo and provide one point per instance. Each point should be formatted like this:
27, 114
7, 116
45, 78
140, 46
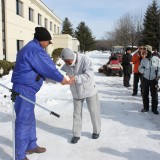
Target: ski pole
13, 130
18, 94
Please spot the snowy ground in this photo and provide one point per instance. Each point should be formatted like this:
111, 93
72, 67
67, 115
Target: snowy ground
127, 134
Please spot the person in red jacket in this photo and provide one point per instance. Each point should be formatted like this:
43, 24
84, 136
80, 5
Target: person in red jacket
136, 59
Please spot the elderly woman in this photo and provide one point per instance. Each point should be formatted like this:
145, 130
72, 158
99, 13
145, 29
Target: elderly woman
150, 68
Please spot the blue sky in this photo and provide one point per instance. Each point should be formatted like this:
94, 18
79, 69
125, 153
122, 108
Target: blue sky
100, 16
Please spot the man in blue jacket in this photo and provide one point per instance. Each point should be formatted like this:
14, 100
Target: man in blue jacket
33, 65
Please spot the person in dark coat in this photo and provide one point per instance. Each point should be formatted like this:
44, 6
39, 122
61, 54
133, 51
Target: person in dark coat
127, 67
33, 65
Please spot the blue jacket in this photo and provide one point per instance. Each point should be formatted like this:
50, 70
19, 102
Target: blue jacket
33, 65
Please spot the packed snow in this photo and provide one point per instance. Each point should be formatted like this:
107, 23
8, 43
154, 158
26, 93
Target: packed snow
126, 133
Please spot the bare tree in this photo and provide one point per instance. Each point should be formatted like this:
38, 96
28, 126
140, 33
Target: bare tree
127, 30
110, 36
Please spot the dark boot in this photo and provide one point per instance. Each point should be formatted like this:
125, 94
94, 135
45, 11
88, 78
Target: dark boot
144, 110
134, 94
75, 139
36, 150
95, 136
155, 111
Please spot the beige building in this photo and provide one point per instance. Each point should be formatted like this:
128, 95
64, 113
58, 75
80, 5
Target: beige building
18, 21
65, 41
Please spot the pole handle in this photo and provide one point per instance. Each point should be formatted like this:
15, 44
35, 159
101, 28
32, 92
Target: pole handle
55, 114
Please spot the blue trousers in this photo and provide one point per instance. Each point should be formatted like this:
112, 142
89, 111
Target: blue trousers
25, 125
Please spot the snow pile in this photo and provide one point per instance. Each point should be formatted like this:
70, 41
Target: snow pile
127, 134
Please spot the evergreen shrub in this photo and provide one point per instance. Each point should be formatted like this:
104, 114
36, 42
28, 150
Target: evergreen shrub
56, 54
7, 66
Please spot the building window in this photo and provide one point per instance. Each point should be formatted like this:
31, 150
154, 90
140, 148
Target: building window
31, 14
51, 26
54, 28
19, 45
39, 19
46, 23
58, 30
19, 8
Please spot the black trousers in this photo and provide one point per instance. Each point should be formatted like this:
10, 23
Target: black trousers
137, 77
126, 79
150, 85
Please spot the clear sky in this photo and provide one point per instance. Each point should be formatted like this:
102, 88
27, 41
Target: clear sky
99, 15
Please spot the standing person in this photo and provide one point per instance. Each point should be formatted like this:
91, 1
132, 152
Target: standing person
127, 67
150, 68
136, 59
155, 53
79, 69
33, 65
